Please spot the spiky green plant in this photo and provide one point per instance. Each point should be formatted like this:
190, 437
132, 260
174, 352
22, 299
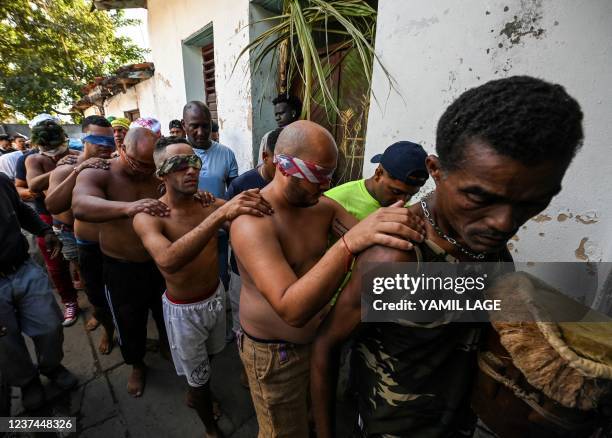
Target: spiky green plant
351, 23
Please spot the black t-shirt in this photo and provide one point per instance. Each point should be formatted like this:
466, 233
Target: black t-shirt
20, 173
251, 179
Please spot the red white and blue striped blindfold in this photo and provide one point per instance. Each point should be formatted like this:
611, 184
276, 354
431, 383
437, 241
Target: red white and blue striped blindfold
293, 166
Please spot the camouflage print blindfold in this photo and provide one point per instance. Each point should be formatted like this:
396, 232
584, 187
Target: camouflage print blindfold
178, 163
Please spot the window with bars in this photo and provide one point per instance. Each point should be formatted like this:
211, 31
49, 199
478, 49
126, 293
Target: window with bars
208, 69
132, 115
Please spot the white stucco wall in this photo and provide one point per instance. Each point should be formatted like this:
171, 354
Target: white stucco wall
169, 23
91, 111
436, 50
140, 97
263, 81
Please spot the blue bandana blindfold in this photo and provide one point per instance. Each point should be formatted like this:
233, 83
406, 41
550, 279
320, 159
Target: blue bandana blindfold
100, 140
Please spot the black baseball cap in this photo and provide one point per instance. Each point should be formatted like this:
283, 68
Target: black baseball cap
175, 124
404, 161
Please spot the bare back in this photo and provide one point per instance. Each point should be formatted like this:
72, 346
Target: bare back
303, 235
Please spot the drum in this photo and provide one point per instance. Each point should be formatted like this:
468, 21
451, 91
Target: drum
545, 379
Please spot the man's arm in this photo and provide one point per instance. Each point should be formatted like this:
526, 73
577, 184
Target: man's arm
342, 221
172, 256
89, 201
340, 323
62, 180
37, 178
59, 193
24, 192
297, 300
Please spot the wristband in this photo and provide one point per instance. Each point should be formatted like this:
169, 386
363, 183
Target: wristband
349, 257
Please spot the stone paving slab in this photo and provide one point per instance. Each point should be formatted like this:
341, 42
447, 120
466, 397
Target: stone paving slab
161, 411
97, 404
78, 356
247, 430
234, 399
111, 428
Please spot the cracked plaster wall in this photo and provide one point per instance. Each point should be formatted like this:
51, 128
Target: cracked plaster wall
164, 95
436, 50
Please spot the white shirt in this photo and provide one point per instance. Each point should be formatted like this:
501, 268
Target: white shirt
8, 163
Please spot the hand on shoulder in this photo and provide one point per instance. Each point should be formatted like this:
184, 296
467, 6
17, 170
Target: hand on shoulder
392, 226
249, 202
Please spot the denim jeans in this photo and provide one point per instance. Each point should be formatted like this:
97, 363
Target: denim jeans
69, 244
27, 306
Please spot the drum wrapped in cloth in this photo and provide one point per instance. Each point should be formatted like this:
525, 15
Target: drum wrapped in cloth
544, 379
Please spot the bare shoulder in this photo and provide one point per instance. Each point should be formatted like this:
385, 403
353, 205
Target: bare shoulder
62, 172
254, 226
93, 175
328, 205
35, 160
144, 222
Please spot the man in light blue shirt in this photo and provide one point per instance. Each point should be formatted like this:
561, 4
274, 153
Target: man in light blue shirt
219, 166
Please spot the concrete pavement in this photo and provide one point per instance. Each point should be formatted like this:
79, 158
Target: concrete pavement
104, 409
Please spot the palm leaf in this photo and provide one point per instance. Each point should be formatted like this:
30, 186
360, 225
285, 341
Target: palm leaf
354, 23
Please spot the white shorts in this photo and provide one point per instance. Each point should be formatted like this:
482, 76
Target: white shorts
195, 331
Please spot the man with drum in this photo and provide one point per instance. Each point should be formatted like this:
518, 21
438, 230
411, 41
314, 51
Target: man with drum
502, 151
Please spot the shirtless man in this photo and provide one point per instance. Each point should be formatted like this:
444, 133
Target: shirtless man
99, 145
52, 142
288, 277
502, 151
133, 283
184, 247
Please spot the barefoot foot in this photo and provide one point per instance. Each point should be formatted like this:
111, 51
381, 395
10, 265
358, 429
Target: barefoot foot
92, 324
136, 381
106, 343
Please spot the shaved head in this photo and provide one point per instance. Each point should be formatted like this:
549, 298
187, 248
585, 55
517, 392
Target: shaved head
139, 144
138, 139
312, 143
309, 141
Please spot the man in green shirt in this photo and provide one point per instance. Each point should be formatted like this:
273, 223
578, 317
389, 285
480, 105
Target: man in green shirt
398, 177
